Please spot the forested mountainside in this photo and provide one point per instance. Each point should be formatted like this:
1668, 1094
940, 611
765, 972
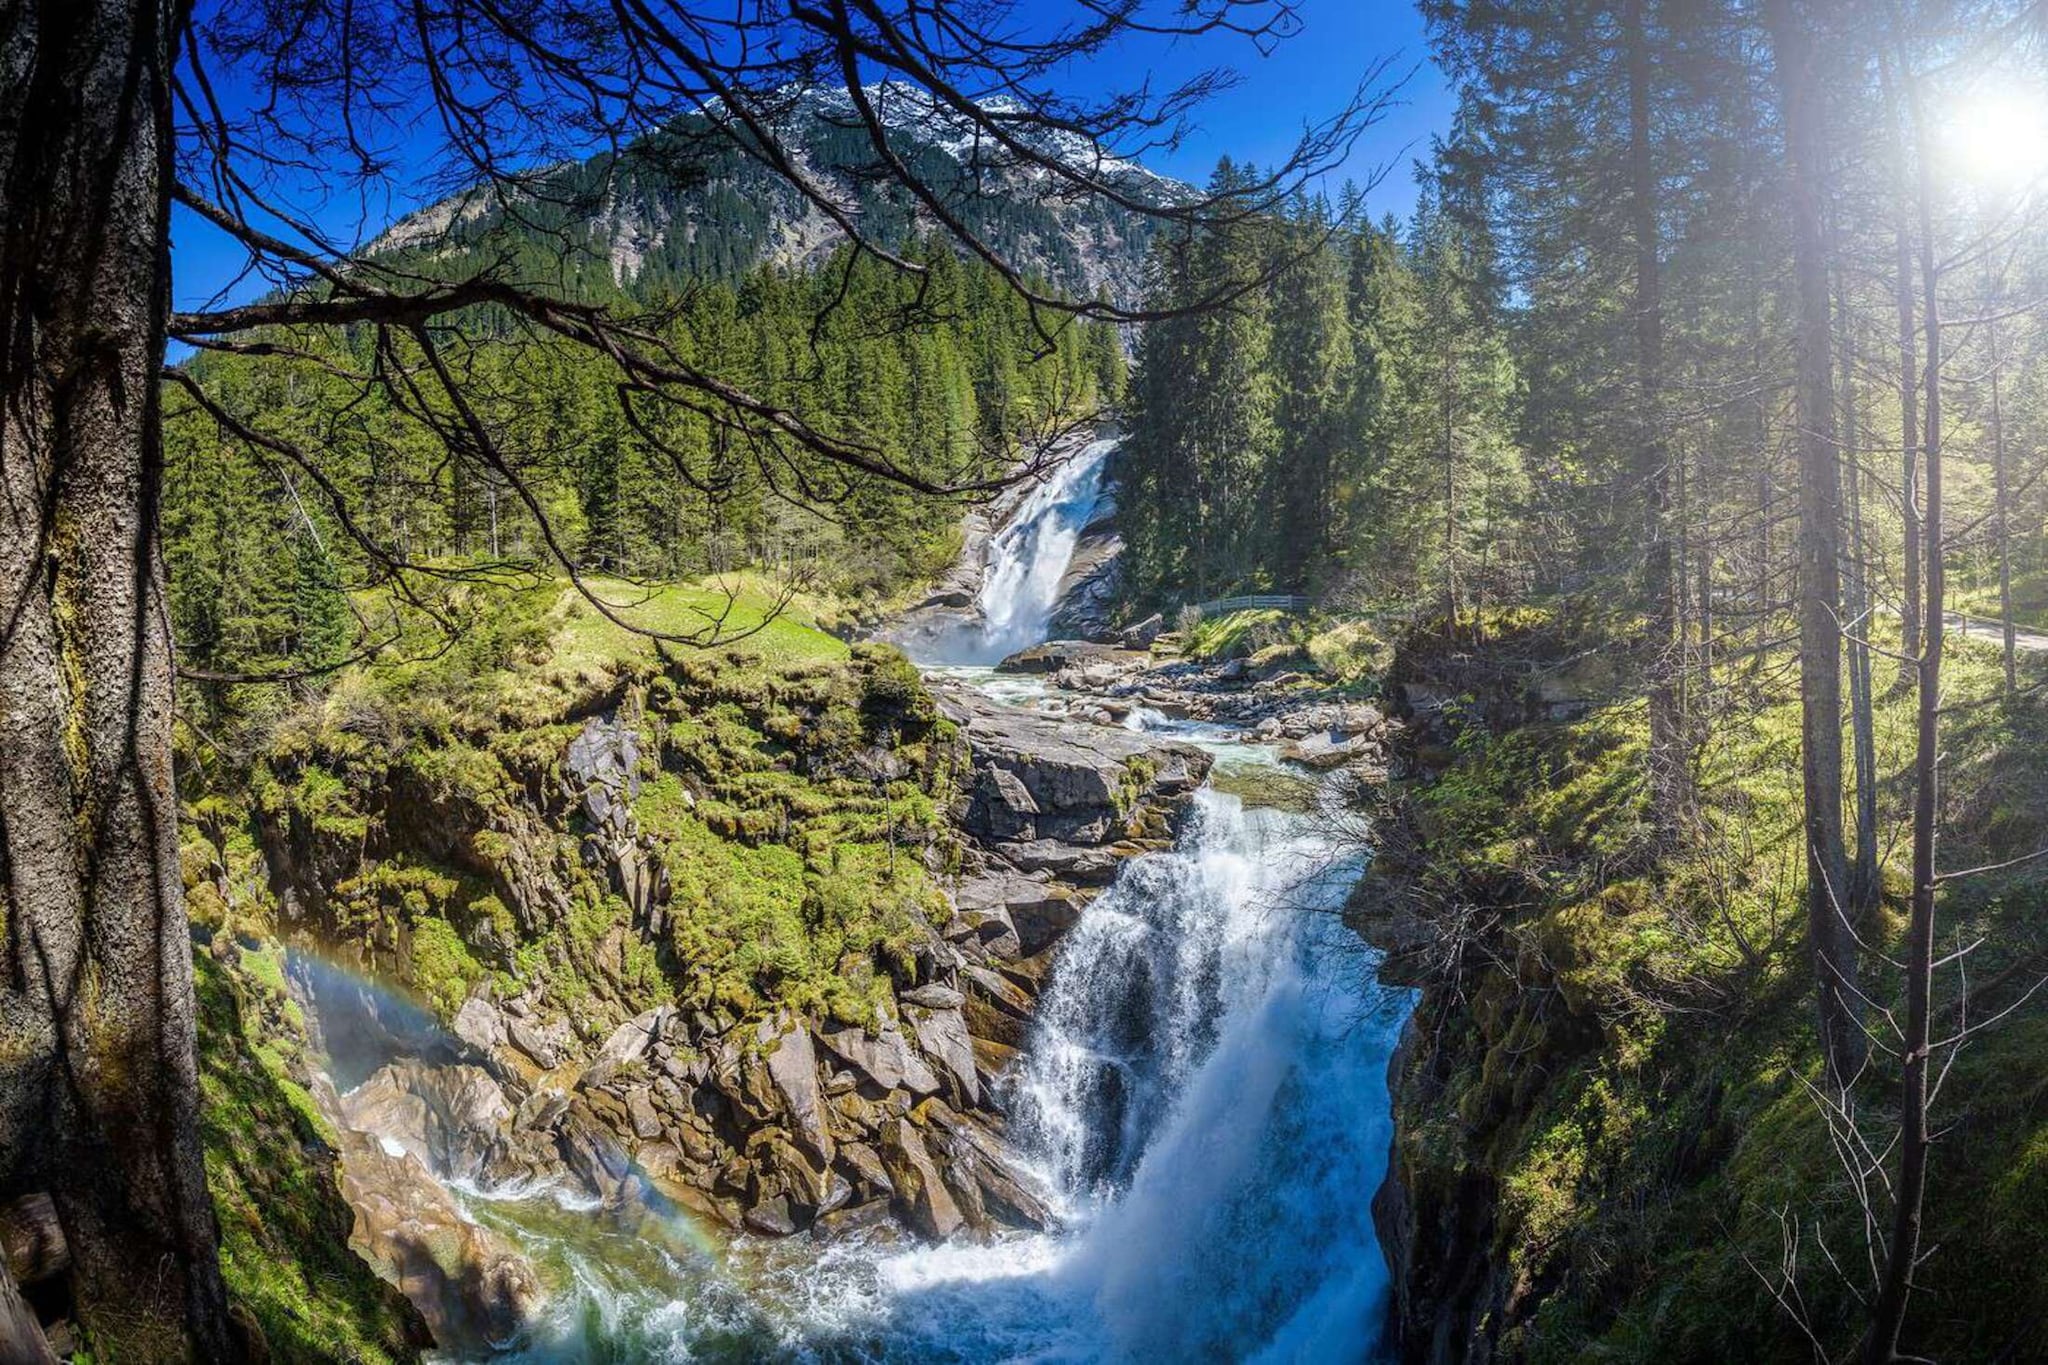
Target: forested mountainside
941, 379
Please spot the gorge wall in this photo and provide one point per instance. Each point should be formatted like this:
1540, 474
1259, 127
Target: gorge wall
1607, 1139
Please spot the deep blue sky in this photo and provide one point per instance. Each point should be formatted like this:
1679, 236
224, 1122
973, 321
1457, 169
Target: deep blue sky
1305, 77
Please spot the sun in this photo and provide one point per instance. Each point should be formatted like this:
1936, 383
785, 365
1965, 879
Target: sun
1997, 137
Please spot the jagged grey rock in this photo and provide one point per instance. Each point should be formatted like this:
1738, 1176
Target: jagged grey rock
885, 1058
793, 1070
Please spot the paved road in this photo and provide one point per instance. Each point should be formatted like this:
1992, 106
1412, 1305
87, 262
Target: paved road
1981, 627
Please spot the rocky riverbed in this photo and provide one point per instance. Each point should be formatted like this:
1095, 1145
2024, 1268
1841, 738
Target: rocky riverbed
1319, 727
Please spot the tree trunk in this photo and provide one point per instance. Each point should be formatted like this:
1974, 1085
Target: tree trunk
1881, 1347
1909, 430
1863, 871
1820, 642
2001, 512
99, 1092
1909, 384
1669, 787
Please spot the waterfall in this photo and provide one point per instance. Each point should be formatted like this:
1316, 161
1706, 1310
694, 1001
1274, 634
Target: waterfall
1205, 1087
1205, 1090
1024, 564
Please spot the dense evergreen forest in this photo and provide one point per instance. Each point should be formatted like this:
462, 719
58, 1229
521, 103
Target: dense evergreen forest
945, 380
1713, 351
1447, 410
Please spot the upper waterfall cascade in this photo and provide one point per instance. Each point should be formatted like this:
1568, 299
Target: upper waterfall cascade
1025, 561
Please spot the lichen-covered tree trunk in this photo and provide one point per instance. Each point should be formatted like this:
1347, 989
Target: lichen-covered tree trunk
98, 1084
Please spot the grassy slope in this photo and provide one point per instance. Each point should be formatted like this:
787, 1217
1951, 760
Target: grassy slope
2029, 599
1629, 1060
779, 843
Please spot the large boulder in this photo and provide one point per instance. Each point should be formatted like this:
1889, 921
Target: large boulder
476, 1292
1042, 779
1051, 657
453, 1119
627, 1044
942, 1033
1144, 633
922, 1199
479, 1024
885, 1059
793, 1071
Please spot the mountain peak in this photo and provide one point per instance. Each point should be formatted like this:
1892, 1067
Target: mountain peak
713, 211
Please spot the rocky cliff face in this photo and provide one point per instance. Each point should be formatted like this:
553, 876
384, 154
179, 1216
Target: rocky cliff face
759, 943
686, 204
1502, 1014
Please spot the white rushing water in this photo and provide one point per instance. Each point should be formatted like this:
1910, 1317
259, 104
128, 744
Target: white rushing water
1205, 1087
1205, 1092
1025, 561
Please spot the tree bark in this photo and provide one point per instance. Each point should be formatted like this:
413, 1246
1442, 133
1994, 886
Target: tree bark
99, 1090
1888, 1318
1820, 643
1863, 870
1669, 786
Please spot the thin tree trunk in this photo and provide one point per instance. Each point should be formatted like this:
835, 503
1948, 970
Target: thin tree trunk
1820, 642
99, 1093
2001, 512
1909, 384
1448, 379
1669, 788
1863, 871
1888, 1318
1766, 491
1909, 430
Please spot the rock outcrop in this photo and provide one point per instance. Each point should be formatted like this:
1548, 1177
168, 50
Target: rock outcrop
1088, 588
774, 1122
474, 1290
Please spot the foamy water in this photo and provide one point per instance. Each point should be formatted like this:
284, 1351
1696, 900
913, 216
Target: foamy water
1205, 1089
1026, 560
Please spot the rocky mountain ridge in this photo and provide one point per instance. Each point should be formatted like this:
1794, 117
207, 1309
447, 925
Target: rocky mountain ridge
691, 202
